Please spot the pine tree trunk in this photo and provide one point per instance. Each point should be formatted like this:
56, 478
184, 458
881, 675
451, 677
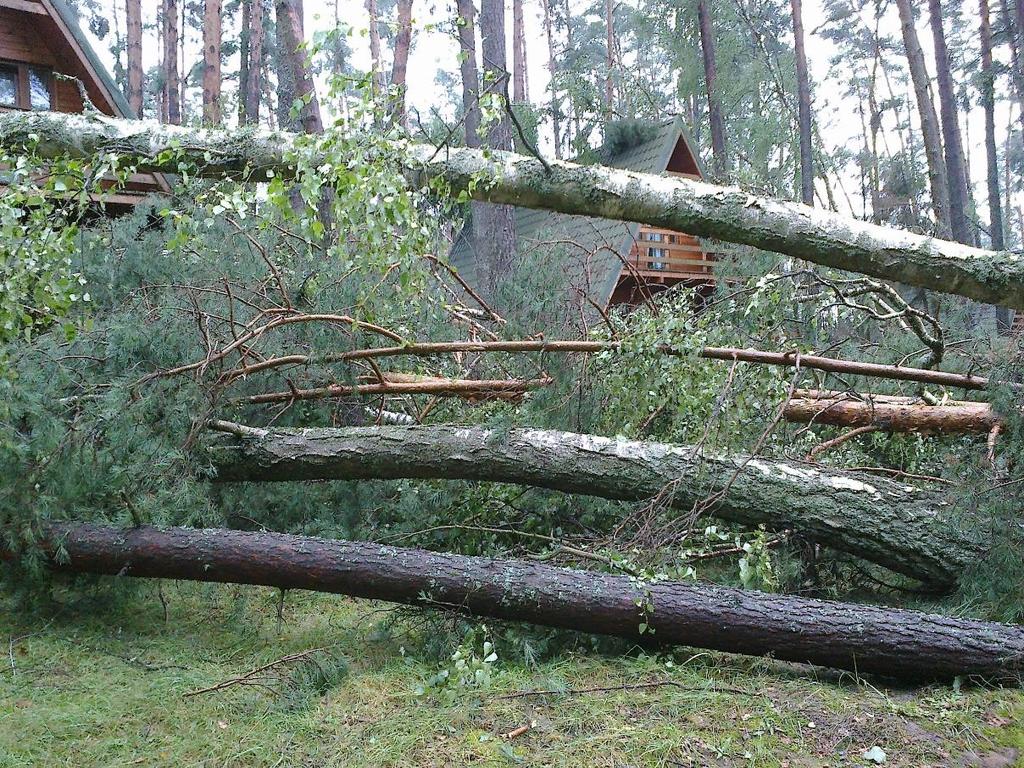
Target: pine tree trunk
520, 94
959, 197
609, 81
133, 17
285, 75
862, 638
211, 62
289, 17
172, 82
988, 101
938, 181
375, 55
556, 106
494, 225
677, 204
470, 73
1016, 65
892, 524
707, 44
252, 84
403, 42
804, 107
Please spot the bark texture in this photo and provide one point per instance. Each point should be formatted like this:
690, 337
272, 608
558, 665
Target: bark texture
172, 81
400, 65
211, 61
707, 45
896, 643
804, 104
469, 71
685, 205
289, 16
133, 20
520, 90
893, 524
938, 181
252, 83
893, 414
988, 101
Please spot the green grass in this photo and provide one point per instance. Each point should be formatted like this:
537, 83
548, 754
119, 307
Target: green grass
101, 683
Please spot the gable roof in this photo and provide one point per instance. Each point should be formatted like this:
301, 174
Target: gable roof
595, 247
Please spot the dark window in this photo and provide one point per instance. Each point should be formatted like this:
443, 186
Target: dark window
25, 87
8, 86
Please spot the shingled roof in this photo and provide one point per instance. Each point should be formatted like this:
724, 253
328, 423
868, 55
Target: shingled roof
595, 247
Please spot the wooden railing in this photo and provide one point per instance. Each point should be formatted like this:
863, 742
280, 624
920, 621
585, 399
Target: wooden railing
661, 253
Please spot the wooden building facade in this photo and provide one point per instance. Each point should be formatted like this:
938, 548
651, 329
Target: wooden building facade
47, 63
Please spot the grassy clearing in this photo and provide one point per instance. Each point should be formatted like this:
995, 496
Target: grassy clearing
102, 684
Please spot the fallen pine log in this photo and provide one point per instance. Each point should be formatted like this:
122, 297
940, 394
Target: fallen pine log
502, 389
893, 524
863, 638
704, 210
892, 414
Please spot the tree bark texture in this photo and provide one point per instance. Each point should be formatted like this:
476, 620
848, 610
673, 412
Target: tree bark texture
172, 81
893, 524
289, 16
556, 109
683, 205
211, 62
375, 54
707, 45
494, 225
893, 414
938, 181
400, 65
804, 106
520, 92
959, 198
469, 71
133, 20
866, 639
252, 84
988, 101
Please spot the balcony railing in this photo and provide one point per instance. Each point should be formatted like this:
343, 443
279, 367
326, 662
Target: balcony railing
660, 254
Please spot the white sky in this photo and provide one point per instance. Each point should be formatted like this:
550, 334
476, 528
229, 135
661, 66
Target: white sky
434, 50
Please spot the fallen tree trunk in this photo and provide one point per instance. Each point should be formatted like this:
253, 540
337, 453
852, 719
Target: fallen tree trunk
473, 389
684, 205
893, 524
893, 414
862, 638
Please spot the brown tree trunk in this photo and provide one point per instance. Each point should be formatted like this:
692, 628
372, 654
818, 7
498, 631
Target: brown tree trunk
403, 42
804, 107
888, 523
252, 63
285, 95
893, 414
988, 101
211, 62
959, 197
470, 73
172, 83
863, 638
707, 44
289, 16
520, 92
609, 79
1016, 65
556, 107
375, 55
494, 225
938, 180
133, 19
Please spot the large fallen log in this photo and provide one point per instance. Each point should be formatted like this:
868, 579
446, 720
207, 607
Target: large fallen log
889, 413
862, 638
725, 213
896, 525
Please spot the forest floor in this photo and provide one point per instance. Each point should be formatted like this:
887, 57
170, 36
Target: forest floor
102, 684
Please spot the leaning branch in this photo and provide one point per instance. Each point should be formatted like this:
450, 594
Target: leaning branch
724, 213
863, 638
893, 524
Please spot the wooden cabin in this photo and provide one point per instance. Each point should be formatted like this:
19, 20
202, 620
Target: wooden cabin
615, 262
46, 62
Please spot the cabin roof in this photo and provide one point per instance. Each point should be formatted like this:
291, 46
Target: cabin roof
594, 246
68, 20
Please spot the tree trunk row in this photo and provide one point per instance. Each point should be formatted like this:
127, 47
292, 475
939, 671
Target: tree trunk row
861, 638
889, 523
679, 204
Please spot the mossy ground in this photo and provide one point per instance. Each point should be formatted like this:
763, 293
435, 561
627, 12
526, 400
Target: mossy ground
102, 683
